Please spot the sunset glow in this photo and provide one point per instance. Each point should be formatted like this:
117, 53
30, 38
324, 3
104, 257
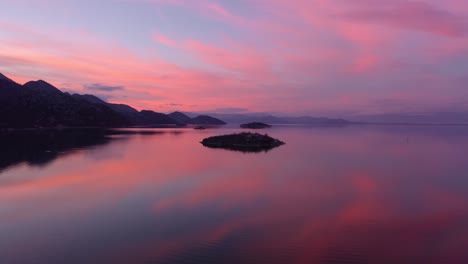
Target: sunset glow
315, 57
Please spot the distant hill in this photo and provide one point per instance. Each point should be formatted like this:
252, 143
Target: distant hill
207, 120
248, 118
148, 118
181, 117
40, 104
314, 120
270, 119
418, 118
198, 120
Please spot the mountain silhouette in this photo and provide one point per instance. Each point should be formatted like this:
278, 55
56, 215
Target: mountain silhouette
207, 120
181, 117
4, 78
40, 104
271, 119
199, 120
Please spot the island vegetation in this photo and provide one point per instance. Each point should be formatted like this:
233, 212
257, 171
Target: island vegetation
246, 142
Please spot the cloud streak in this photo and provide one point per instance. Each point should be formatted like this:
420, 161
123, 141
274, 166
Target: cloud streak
307, 57
416, 16
104, 88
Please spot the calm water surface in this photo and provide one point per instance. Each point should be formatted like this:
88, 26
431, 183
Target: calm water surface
356, 194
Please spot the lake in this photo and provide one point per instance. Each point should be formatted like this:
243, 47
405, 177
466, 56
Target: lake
351, 194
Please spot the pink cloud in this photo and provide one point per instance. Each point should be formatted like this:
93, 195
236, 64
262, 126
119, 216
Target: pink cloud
294, 56
165, 40
364, 63
417, 16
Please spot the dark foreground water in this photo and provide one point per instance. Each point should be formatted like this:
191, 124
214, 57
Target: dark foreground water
356, 194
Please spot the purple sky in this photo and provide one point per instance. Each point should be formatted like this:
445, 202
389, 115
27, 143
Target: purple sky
316, 57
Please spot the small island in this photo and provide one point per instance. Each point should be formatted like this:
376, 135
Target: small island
255, 125
245, 142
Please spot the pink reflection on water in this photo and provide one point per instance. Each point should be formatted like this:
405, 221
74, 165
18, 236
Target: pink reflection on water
329, 195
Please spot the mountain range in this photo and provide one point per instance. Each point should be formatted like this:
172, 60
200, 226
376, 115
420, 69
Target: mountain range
424, 118
271, 119
40, 104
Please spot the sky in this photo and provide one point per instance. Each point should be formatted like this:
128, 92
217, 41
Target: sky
317, 57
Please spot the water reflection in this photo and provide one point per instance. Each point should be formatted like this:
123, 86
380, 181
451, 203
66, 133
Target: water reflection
40, 147
331, 195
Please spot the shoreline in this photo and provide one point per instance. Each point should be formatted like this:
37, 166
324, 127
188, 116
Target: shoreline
12, 129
